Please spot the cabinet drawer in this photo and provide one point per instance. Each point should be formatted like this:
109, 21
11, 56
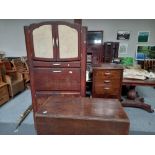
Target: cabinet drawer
56, 64
57, 79
4, 90
107, 74
106, 91
107, 82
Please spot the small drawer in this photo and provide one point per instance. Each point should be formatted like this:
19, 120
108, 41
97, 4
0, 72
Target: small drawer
108, 82
107, 74
106, 91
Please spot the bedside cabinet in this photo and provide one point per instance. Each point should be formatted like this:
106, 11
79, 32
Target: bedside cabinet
4, 94
107, 81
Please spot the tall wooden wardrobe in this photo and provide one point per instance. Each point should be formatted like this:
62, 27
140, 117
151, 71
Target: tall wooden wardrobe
57, 60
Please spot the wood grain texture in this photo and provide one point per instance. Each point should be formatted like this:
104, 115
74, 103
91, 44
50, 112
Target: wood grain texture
64, 115
107, 81
57, 75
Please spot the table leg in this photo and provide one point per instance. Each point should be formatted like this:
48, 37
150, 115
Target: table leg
134, 101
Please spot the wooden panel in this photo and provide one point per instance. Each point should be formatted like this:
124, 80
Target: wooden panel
107, 91
4, 94
107, 81
57, 79
3, 90
107, 74
63, 115
56, 64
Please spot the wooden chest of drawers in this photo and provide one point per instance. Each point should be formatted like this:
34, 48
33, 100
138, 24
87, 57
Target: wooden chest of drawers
107, 81
4, 94
81, 116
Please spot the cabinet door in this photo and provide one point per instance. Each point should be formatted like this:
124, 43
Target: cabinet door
68, 43
43, 42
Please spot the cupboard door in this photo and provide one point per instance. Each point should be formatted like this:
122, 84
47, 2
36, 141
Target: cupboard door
68, 42
43, 42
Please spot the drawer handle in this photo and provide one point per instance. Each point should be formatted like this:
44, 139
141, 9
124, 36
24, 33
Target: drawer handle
70, 72
106, 88
106, 81
107, 73
57, 71
56, 64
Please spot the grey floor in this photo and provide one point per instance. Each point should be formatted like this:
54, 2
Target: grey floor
141, 122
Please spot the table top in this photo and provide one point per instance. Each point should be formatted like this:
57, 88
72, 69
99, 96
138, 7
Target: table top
83, 108
135, 82
108, 66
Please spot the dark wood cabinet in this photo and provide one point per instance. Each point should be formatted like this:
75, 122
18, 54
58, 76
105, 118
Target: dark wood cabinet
107, 81
110, 51
57, 59
94, 53
81, 116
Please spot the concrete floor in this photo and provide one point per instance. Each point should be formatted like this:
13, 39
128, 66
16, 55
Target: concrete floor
141, 122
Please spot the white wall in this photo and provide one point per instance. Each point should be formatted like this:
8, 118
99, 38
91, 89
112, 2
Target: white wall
111, 26
12, 39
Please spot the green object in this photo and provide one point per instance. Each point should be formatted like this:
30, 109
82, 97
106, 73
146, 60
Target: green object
127, 61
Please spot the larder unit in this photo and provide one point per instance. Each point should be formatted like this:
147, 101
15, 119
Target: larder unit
57, 59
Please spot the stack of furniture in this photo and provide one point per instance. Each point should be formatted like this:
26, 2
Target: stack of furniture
13, 79
4, 94
57, 62
21, 67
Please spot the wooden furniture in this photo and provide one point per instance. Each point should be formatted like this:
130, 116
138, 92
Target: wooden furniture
15, 82
107, 80
57, 59
13, 78
110, 51
4, 94
147, 64
94, 54
137, 102
21, 67
81, 116
94, 47
78, 21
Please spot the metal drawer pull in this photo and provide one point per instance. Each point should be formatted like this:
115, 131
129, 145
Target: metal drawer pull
57, 71
107, 73
106, 88
106, 81
70, 72
56, 64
